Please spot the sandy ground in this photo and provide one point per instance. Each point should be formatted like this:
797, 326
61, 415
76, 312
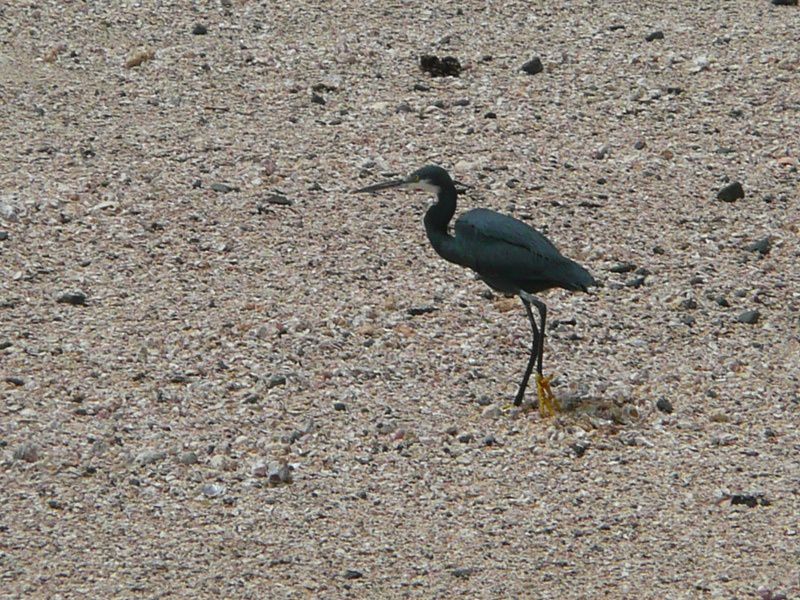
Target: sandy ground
244, 405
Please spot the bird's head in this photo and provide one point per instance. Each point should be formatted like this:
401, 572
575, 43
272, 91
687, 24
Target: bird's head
430, 178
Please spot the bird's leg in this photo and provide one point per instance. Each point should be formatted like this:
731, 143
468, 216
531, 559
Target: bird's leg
534, 352
548, 404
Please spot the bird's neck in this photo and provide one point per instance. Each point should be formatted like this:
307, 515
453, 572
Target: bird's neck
437, 219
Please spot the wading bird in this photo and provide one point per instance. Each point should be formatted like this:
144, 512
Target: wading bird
507, 254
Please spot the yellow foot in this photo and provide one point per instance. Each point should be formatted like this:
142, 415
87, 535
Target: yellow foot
548, 405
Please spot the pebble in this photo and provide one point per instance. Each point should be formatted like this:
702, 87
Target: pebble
688, 304
279, 200
750, 500
761, 246
636, 282
353, 574
340, 406
731, 192
29, 452
188, 458
212, 490
688, 320
199, 29
622, 268
464, 572
437, 67
275, 381
654, 35
279, 473
420, 310
74, 297
13, 380
489, 440
149, 457
3, 236
722, 301
533, 66
223, 188
784, 2
317, 98
466, 438
664, 406
639, 144
750, 317
580, 447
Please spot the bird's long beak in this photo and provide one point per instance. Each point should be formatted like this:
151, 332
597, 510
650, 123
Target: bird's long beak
382, 186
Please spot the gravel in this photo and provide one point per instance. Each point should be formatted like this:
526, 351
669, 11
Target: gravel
305, 305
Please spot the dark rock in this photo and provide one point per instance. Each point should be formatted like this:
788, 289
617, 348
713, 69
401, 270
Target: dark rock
731, 192
447, 66
697, 280
6, 344
340, 406
580, 447
18, 381
223, 188
722, 301
421, 87
317, 98
461, 102
466, 438
639, 144
403, 108
688, 320
489, 440
659, 250
688, 304
188, 458
533, 66
490, 115
636, 282
761, 246
415, 311
749, 500
275, 381
199, 29
484, 401
464, 572
353, 574
750, 317
279, 473
3, 236
654, 35
279, 200
622, 268
74, 297
784, 2
664, 406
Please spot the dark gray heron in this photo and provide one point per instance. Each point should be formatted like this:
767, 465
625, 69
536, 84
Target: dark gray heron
507, 254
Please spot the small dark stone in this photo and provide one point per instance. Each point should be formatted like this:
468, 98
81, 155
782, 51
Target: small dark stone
688, 304
466, 438
761, 246
421, 87
55, 504
452, 430
353, 574
490, 115
639, 144
622, 268
223, 188
3, 236
403, 108
415, 311
784, 2
340, 406
18, 381
616, 27
464, 572
199, 29
197, 184
484, 401
688, 320
664, 406
461, 102
317, 99
437, 67
75, 297
749, 500
731, 192
722, 301
636, 282
489, 440
654, 35
659, 250
750, 317
6, 344
580, 447
251, 398
275, 381
533, 66
697, 280
280, 200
